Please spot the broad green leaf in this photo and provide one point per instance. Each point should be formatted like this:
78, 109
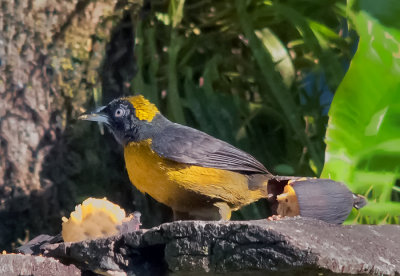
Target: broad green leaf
363, 136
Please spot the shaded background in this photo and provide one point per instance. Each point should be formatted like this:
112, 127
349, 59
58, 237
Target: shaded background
258, 74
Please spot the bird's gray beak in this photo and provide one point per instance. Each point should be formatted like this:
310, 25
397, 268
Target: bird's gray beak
96, 116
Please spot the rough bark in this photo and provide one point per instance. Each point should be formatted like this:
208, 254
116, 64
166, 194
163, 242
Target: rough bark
294, 246
50, 57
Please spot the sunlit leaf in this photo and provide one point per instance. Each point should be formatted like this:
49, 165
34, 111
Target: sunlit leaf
176, 11
363, 145
279, 55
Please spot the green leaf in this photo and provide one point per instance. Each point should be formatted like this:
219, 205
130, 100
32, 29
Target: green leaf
274, 81
145, 45
363, 145
279, 54
175, 108
284, 169
176, 11
386, 11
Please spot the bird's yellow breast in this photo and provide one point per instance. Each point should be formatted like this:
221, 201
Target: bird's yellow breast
183, 186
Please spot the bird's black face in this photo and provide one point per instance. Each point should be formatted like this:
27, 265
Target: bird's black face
120, 118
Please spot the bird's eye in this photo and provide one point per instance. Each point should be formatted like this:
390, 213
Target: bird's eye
119, 112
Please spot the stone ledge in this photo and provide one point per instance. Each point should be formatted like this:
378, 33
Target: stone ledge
17, 264
293, 245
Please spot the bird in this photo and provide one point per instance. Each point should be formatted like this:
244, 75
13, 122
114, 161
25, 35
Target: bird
202, 177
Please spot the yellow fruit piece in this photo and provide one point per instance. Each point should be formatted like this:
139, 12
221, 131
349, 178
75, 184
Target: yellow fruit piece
94, 218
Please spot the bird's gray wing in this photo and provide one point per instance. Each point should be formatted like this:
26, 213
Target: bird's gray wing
190, 146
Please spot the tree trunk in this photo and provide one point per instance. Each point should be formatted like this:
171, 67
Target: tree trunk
50, 54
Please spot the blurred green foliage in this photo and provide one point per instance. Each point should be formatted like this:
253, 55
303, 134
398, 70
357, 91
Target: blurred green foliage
236, 71
261, 75
363, 136
253, 73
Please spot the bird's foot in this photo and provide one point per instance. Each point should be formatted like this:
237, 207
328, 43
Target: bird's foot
274, 217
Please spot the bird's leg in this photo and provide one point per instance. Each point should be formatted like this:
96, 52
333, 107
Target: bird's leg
224, 210
178, 215
219, 211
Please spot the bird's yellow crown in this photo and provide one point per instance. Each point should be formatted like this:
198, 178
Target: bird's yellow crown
145, 110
